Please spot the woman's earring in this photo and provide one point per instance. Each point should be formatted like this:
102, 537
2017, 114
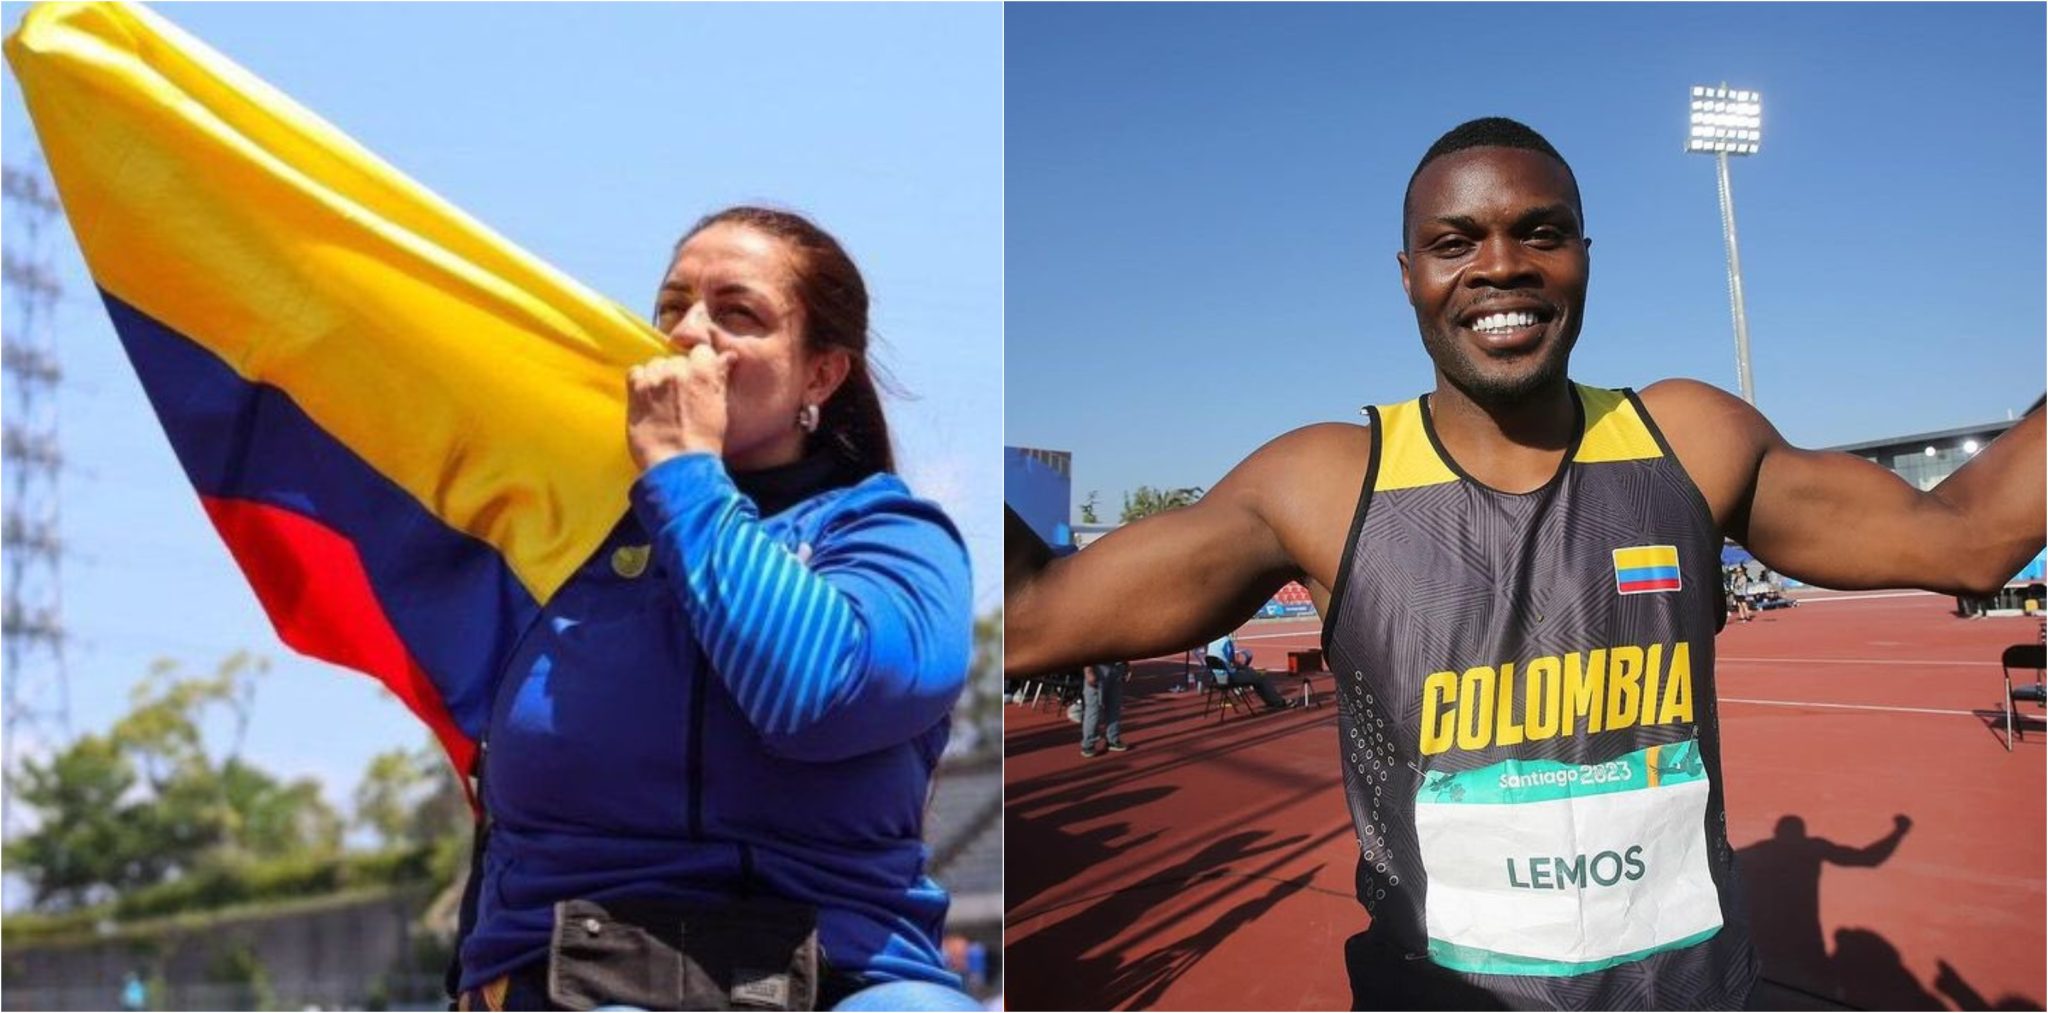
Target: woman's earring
807, 419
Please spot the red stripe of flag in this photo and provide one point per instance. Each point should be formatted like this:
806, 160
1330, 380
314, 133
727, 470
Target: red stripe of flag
1666, 584
311, 581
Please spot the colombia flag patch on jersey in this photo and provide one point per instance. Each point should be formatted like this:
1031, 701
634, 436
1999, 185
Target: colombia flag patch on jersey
1646, 568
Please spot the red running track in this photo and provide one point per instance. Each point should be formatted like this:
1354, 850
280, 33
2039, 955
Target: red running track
1210, 867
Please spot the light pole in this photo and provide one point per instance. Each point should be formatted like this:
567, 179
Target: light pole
1725, 122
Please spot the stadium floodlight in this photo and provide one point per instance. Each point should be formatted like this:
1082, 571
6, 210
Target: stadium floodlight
1727, 121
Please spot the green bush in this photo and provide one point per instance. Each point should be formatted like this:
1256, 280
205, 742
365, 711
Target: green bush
35, 925
228, 883
240, 882
390, 868
241, 966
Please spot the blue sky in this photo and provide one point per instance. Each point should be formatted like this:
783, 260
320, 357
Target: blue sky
592, 136
1203, 206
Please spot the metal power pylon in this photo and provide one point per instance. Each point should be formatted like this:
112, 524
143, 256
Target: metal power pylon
37, 697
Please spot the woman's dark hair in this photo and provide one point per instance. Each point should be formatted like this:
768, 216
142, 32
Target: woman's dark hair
851, 424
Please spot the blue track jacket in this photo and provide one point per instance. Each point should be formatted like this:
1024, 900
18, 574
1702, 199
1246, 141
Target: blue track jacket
720, 704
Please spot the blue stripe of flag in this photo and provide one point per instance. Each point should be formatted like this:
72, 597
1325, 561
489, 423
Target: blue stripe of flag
1642, 573
452, 599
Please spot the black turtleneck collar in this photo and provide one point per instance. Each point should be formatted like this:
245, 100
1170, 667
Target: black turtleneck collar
776, 489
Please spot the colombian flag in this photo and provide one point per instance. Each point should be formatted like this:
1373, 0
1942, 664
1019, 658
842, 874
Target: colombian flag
408, 431
1646, 568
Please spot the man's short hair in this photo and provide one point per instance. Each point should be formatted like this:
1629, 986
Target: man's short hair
1486, 132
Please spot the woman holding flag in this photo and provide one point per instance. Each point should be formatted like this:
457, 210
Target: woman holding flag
725, 727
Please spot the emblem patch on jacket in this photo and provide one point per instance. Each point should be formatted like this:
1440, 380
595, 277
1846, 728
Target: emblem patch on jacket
631, 560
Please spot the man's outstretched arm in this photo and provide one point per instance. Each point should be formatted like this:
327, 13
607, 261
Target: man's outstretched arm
1879, 851
1839, 521
1160, 584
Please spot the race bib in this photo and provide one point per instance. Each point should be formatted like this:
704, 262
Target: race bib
1544, 868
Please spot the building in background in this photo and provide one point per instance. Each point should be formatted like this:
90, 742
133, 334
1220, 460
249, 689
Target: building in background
1924, 459
1039, 485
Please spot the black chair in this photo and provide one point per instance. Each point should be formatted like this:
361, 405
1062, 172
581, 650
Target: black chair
1065, 687
1028, 689
2023, 656
1220, 688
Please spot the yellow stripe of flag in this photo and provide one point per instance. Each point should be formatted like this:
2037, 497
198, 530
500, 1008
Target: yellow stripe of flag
485, 383
1645, 555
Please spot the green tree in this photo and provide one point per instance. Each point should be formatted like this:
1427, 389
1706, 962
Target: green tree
272, 818
386, 795
146, 801
1145, 501
444, 813
1088, 508
199, 806
87, 841
239, 966
411, 797
163, 726
982, 703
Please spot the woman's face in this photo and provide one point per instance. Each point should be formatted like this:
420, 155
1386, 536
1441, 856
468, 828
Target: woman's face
734, 287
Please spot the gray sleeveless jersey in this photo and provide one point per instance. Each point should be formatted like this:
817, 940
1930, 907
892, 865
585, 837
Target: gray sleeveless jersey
1527, 727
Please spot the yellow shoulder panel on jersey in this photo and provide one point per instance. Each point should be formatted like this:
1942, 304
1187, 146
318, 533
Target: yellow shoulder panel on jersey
1614, 430
1407, 458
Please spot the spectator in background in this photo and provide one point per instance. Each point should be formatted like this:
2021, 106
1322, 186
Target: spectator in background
134, 994
1102, 706
1732, 580
1774, 591
1225, 649
1234, 657
1749, 586
977, 966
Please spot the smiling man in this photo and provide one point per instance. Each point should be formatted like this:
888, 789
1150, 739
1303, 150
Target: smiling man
1517, 577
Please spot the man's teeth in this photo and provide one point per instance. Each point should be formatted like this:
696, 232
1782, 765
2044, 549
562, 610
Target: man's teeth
1501, 322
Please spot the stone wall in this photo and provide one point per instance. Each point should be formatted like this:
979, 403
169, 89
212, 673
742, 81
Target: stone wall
334, 953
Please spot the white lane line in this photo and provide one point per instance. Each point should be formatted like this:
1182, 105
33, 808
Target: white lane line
1860, 661
1848, 706
1867, 597
1317, 633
